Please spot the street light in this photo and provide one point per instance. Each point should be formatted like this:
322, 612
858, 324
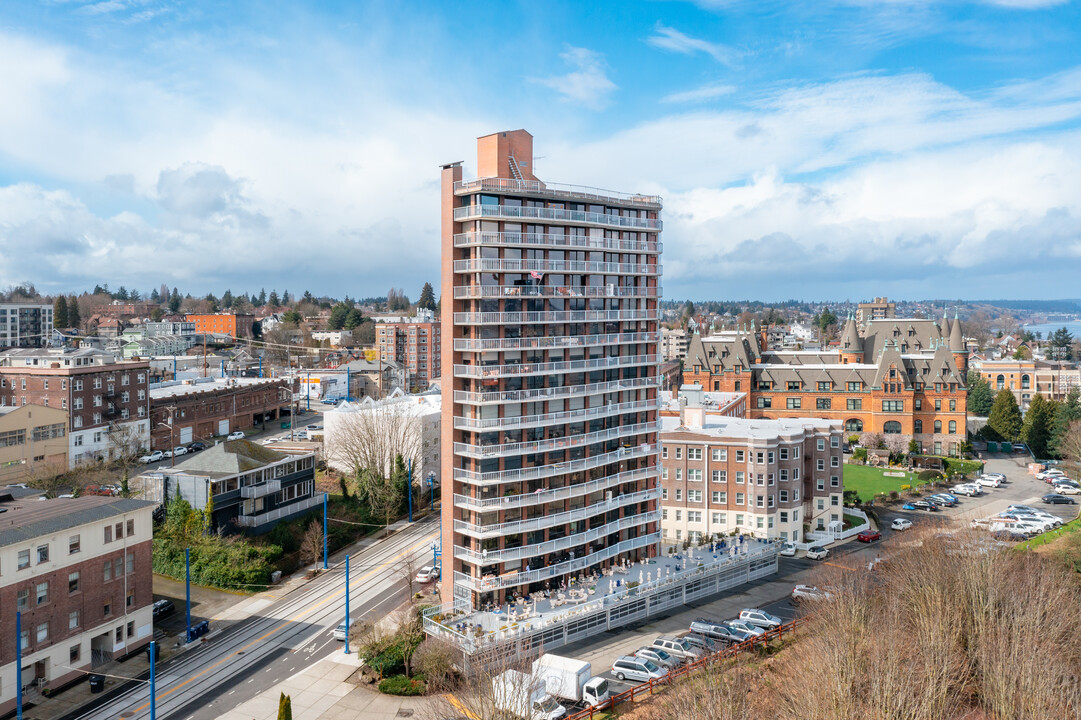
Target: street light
172, 442
431, 490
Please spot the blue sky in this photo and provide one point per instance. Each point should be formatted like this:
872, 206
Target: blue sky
836, 149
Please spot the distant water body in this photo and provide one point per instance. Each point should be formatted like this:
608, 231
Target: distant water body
1045, 329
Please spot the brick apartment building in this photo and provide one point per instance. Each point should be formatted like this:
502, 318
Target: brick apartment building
204, 408
768, 478
237, 325
414, 342
26, 325
878, 309
80, 572
903, 377
108, 402
1052, 379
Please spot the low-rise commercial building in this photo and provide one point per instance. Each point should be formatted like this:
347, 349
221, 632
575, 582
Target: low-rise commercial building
235, 325
204, 408
768, 478
33, 438
79, 571
253, 487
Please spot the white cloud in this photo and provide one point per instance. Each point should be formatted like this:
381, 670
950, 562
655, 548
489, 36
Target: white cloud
588, 84
700, 94
673, 40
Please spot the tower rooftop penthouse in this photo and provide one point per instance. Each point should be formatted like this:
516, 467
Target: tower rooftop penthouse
550, 367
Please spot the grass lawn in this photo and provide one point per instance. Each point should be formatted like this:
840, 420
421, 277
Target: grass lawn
869, 481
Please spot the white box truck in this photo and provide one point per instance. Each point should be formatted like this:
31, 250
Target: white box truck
525, 697
571, 680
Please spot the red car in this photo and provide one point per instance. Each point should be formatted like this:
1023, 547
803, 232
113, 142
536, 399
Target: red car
869, 536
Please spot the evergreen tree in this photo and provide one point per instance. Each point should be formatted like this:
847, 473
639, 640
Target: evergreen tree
427, 298
285, 297
1061, 342
121, 294
1036, 430
338, 314
273, 299
979, 395
74, 319
285, 707
155, 296
135, 296
262, 298
60, 312
307, 297
1065, 413
353, 319
227, 299
174, 301
1005, 417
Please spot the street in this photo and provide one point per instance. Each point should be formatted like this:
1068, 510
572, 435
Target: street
288, 635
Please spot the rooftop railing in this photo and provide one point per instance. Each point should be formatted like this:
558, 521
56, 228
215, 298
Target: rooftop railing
573, 217
555, 190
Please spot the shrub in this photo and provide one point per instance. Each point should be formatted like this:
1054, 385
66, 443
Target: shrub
401, 685
906, 487
860, 454
929, 475
853, 439
894, 495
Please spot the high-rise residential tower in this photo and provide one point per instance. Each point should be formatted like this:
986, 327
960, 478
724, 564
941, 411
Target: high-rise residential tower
549, 377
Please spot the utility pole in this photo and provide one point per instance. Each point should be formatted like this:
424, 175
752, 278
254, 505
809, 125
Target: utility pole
19, 665
153, 700
325, 565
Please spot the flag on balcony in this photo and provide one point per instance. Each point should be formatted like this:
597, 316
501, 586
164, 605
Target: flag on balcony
536, 275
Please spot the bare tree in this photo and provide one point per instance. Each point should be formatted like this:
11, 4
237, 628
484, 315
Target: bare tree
51, 477
124, 447
439, 661
311, 545
1070, 445
368, 440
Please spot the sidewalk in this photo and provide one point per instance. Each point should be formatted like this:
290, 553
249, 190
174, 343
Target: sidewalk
323, 691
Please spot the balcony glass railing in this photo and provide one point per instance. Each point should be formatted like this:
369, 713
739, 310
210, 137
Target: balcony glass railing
610, 290
542, 497
557, 341
554, 190
553, 444
554, 519
550, 546
567, 416
519, 318
518, 369
497, 477
495, 265
554, 215
518, 239
554, 393
488, 583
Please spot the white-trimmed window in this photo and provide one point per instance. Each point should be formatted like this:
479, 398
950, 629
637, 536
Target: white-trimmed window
720, 476
719, 454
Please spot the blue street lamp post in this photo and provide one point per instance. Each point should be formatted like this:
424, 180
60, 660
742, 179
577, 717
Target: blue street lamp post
325, 565
19, 665
431, 490
153, 700
346, 604
187, 589
409, 489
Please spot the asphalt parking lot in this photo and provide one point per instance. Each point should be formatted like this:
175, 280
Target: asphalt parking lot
773, 594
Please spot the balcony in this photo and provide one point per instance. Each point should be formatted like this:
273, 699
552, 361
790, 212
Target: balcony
565, 543
554, 215
519, 369
558, 341
513, 239
611, 290
489, 583
496, 265
555, 418
547, 521
572, 316
554, 393
278, 513
542, 497
553, 444
555, 190
553, 469
261, 490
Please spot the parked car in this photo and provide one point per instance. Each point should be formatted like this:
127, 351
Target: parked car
179, 450
944, 499
937, 502
163, 608
1046, 475
1058, 499
707, 645
196, 447
1040, 518
98, 490
788, 549
659, 657
717, 631
967, 489
901, 524
924, 505
801, 593
238, 435
869, 536
985, 481
153, 457
1067, 489
761, 618
1026, 508
817, 552
426, 574
745, 627
630, 667
679, 647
